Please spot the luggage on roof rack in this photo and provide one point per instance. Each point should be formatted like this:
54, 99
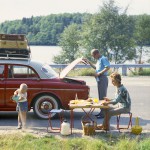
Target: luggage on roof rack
14, 46
13, 37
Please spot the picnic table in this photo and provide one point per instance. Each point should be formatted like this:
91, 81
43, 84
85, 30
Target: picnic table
88, 109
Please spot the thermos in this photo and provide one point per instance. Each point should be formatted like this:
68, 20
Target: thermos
65, 128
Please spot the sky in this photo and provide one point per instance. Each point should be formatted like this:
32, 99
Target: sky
17, 9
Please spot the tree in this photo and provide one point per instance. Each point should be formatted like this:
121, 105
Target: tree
142, 36
50, 26
110, 30
69, 43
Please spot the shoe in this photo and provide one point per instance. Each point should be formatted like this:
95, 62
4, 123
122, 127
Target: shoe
101, 127
100, 116
24, 127
19, 127
97, 114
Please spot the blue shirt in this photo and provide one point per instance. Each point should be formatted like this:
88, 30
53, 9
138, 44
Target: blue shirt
101, 64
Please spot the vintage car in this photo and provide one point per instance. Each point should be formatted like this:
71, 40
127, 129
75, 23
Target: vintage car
46, 89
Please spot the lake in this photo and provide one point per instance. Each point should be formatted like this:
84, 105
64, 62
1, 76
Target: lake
44, 53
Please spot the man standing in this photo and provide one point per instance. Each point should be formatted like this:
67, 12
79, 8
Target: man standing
102, 66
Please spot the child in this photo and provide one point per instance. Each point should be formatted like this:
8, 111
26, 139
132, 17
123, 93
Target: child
121, 103
22, 105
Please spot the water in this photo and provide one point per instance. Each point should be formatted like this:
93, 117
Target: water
45, 53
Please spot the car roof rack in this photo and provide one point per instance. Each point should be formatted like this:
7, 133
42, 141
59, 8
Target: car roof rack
15, 56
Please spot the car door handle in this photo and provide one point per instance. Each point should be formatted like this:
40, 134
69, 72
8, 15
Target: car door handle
36, 79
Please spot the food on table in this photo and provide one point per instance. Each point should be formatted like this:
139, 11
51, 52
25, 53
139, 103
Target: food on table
89, 100
79, 101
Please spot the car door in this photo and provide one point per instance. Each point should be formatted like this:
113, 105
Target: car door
18, 74
2, 86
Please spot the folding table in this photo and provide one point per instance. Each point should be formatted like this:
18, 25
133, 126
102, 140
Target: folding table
91, 108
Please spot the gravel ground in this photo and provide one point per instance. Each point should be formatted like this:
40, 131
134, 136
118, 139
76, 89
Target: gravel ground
41, 132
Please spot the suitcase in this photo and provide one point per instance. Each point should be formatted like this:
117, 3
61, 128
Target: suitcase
12, 37
13, 44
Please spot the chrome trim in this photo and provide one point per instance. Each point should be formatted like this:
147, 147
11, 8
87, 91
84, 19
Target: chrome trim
65, 89
45, 106
28, 88
48, 89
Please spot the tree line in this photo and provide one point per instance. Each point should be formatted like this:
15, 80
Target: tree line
117, 35
43, 30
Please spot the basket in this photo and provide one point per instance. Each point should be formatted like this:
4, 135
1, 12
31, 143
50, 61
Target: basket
89, 124
136, 129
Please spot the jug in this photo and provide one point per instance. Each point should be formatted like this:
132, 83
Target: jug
65, 128
137, 129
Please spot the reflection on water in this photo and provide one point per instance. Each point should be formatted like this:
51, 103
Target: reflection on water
44, 53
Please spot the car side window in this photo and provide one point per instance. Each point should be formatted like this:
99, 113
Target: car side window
1, 71
17, 71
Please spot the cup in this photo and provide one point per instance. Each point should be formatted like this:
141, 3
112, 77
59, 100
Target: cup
95, 100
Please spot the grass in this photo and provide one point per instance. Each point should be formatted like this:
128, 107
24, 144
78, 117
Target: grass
84, 72
78, 72
90, 72
140, 72
108, 142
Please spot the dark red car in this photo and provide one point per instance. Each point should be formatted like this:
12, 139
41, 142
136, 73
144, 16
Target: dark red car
46, 90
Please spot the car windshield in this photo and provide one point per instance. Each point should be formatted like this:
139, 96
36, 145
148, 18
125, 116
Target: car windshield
49, 71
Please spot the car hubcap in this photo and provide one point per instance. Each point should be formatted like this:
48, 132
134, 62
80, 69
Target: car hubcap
45, 106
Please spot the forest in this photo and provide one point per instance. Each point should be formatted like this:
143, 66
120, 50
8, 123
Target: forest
43, 30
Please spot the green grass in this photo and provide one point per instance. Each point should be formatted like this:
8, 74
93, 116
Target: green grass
140, 72
90, 72
82, 72
28, 142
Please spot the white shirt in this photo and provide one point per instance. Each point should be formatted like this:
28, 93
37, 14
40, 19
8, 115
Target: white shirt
23, 95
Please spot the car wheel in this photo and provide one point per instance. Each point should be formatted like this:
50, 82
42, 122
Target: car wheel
43, 104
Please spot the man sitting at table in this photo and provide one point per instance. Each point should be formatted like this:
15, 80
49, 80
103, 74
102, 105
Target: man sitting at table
121, 102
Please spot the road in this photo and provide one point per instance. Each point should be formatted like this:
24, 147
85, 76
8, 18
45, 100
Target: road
138, 87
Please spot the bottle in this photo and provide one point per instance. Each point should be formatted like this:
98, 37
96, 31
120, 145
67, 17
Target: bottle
76, 97
65, 128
